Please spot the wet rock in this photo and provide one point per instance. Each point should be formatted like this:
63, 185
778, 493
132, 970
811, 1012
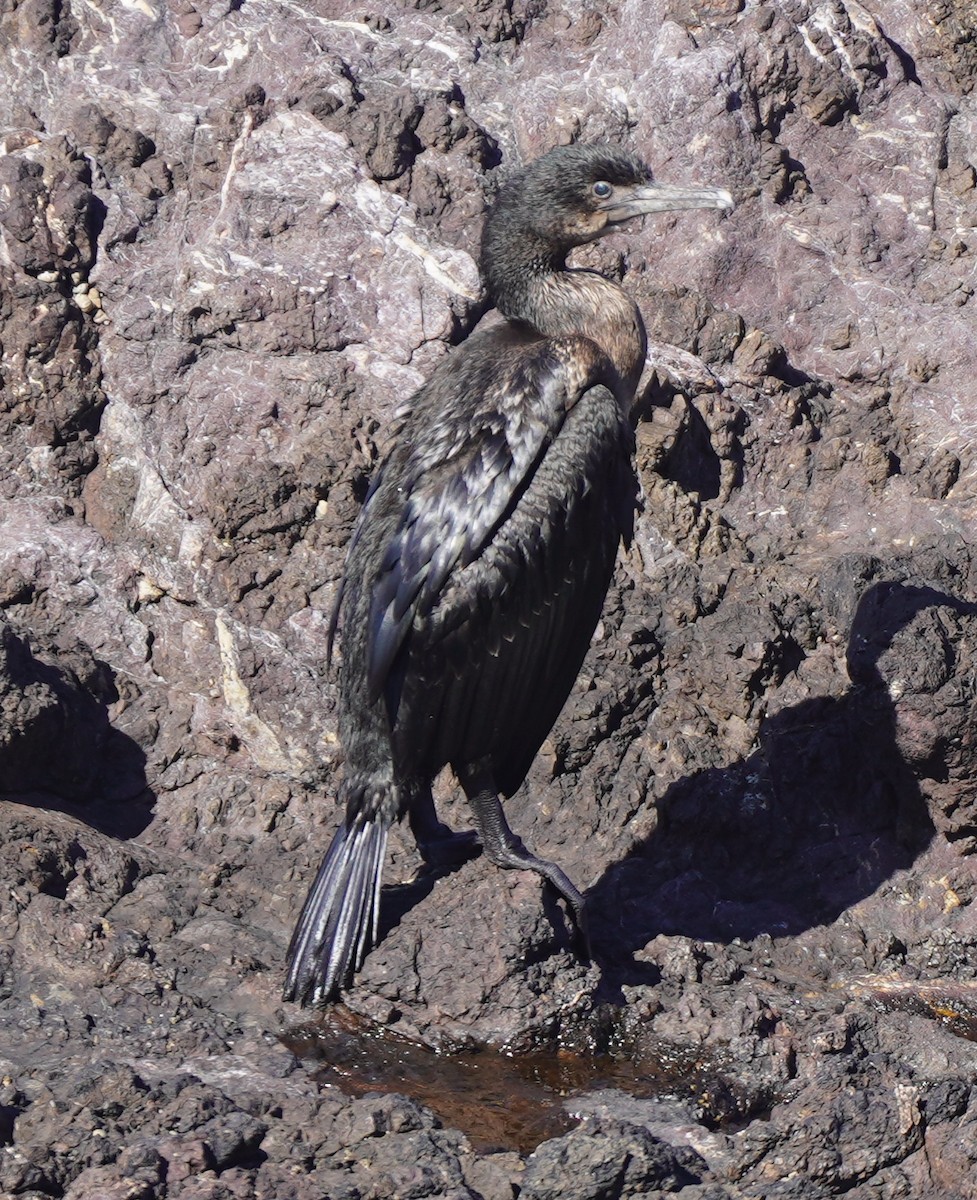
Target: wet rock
232, 242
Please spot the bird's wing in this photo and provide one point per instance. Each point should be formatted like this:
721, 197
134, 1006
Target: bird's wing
401, 416
487, 671
460, 483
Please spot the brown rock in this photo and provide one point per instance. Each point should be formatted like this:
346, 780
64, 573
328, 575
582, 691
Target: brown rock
233, 241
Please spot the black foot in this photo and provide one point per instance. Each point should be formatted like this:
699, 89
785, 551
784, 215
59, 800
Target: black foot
507, 851
513, 855
439, 846
450, 849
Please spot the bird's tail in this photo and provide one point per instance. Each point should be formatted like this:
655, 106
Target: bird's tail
338, 923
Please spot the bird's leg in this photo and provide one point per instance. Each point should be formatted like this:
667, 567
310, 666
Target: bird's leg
505, 849
438, 845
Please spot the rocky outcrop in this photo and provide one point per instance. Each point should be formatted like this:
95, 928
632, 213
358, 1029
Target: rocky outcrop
233, 237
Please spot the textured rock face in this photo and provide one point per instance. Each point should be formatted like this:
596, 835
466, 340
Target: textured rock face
233, 237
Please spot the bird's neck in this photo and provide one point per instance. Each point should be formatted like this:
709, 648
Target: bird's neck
558, 302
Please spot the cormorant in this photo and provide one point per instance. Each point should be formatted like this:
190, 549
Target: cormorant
476, 573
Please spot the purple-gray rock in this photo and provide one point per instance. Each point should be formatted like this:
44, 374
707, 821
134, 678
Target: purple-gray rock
235, 236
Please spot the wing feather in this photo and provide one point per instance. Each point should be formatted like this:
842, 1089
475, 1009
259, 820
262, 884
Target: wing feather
490, 667
466, 479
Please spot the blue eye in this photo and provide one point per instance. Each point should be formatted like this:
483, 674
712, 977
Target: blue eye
602, 190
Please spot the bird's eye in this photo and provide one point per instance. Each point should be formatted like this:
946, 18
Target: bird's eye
602, 189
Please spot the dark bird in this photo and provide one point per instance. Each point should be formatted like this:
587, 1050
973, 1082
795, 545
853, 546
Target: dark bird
477, 570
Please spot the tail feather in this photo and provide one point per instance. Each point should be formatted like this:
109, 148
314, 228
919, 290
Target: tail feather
338, 922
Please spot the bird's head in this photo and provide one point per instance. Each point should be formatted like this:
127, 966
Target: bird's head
575, 194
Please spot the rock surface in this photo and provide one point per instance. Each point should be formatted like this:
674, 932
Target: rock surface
234, 237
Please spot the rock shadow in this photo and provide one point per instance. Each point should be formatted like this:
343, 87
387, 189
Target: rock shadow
812, 822
58, 747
